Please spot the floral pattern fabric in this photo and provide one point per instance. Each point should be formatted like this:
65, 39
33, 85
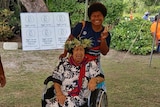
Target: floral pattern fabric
67, 75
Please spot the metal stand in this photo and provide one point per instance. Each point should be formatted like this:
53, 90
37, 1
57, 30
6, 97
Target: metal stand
86, 9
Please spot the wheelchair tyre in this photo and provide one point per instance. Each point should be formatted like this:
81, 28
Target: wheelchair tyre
98, 98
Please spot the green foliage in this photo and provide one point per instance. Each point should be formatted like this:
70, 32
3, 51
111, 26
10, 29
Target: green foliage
8, 22
141, 6
115, 11
75, 9
151, 2
155, 9
5, 29
132, 35
134, 6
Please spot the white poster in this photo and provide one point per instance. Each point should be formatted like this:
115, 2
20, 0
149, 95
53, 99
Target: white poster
43, 31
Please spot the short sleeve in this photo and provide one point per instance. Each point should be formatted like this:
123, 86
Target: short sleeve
58, 72
76, 30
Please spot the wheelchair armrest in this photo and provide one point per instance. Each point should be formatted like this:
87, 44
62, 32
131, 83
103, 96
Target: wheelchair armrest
47, 80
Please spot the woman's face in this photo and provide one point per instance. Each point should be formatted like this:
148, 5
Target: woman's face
78, 54
97, 18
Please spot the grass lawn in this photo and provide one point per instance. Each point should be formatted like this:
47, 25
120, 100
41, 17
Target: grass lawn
131, 82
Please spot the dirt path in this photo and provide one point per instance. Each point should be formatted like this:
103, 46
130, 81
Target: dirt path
19, 60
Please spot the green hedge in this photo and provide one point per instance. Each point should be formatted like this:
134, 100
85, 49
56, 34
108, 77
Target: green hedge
132, 35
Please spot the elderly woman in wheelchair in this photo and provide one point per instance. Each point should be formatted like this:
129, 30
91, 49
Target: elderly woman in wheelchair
75, 77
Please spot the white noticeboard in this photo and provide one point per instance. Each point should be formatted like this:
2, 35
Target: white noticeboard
44, 31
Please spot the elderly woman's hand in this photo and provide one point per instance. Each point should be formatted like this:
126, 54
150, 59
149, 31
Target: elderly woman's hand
92, 84
61, 99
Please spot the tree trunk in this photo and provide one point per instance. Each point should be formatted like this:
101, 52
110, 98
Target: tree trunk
4, 4
34, 5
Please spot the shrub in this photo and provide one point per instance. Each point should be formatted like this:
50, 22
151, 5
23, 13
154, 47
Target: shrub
8, 22
132, 35
5, 29
114, 11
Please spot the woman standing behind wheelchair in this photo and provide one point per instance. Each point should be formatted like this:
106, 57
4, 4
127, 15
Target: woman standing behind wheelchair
95, 31
76, 76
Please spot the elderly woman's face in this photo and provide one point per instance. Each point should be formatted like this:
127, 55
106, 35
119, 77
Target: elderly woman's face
78, 54
97, 18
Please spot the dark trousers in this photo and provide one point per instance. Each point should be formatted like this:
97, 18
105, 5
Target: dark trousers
158, 47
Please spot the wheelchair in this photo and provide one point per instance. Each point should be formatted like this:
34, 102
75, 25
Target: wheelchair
98, 97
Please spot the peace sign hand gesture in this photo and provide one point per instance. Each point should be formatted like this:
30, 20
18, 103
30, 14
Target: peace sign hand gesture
104, 34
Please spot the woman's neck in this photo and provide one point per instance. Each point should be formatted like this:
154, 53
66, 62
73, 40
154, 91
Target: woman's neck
97, 28
73, 62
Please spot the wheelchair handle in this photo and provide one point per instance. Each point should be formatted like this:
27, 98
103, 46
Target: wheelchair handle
47, 80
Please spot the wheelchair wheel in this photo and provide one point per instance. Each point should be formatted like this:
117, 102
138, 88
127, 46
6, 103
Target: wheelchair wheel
98, 98
48, 93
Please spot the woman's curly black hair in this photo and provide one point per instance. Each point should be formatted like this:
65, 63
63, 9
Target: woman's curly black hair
97, 6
